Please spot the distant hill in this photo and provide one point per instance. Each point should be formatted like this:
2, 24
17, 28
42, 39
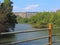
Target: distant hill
25, 14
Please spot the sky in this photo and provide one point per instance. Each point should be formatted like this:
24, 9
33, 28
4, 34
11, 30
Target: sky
35, 5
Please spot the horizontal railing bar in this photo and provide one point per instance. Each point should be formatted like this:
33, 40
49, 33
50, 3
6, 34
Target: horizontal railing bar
25, 31
56, 28
56, 35
53, 42
35, 30
56, 42
26, 40
46, 44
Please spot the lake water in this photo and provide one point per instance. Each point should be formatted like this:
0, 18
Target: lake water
25, 36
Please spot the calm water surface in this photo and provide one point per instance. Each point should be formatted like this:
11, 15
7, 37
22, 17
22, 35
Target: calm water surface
24, 36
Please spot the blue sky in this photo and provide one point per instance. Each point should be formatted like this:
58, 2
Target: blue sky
35, 5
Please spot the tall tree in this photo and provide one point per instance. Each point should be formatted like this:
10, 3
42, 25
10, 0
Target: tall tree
7, 18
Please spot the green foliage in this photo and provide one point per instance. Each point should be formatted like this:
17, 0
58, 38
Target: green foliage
22, 20
6, 2
48, 17
44, 18
7, 18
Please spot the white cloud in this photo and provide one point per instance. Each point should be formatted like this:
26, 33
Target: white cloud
27, 8
16, 8
31, 7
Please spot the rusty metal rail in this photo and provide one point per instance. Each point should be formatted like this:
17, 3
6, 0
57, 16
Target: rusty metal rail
56, 35
43, 37
56, 28
58, 41
25, 31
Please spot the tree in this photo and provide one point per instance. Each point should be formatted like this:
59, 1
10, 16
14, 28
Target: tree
7, 18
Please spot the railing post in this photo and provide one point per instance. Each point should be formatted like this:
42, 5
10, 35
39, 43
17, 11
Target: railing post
50, 34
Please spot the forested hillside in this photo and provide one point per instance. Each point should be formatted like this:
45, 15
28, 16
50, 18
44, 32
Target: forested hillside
43, 18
